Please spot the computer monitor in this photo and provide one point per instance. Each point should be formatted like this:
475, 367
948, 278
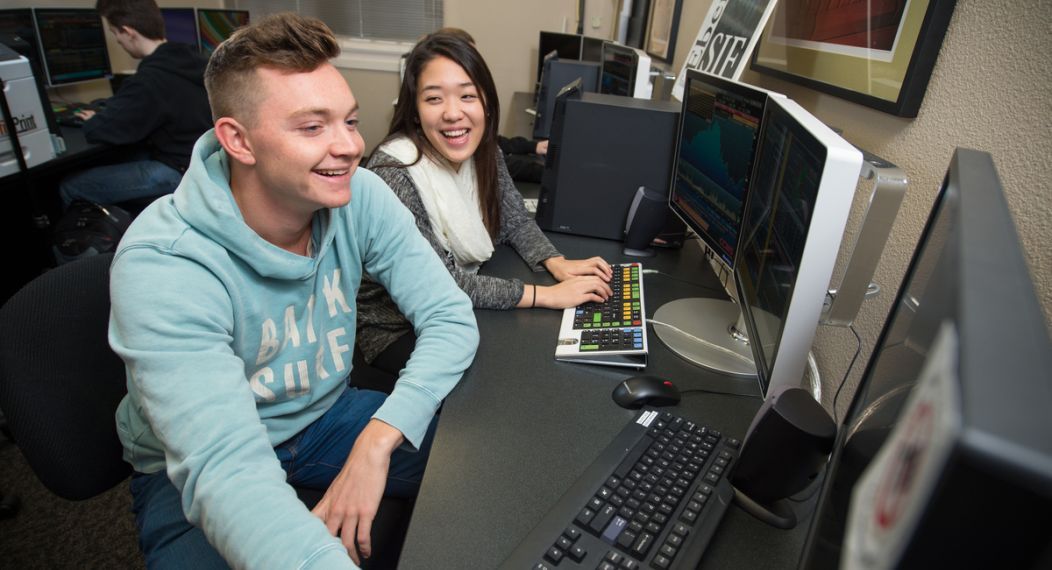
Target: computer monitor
626, 71
565, 46
800, 196
72, 45
556, 74
944, 457
16, 26
214, 26
719, 129
180, 25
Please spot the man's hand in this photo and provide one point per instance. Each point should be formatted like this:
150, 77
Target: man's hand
84, 114
542, 148
563, 269
349, 505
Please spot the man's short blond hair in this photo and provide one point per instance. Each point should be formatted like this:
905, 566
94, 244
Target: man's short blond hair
286, 41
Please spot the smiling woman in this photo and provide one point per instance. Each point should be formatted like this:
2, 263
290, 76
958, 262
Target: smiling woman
442, 160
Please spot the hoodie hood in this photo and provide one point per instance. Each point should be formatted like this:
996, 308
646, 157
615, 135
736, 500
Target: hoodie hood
204, 200
176, 59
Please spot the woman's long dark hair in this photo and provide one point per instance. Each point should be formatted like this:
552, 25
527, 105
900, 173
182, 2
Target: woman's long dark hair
406, 120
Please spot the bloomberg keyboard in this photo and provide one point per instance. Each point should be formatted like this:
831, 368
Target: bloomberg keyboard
612, 333
652, 500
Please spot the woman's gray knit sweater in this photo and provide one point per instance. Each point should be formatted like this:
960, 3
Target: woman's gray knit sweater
380, 322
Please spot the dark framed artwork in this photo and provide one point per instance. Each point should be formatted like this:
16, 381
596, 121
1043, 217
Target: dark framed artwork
878, 53
662, 24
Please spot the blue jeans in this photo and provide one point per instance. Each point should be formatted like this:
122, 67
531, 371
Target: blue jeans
120, 182
311, 459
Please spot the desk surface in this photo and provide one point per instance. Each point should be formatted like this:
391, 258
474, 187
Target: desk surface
521, 427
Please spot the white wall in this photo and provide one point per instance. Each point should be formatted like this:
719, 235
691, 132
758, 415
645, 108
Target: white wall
506, 34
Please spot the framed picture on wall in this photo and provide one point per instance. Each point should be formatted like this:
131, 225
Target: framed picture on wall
662, 24
878, 53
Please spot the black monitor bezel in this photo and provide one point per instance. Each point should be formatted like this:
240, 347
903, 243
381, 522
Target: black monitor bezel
738, 89
104, 73
193, 16
541, 44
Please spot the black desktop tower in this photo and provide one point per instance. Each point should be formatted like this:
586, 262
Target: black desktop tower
602, 149
556, 74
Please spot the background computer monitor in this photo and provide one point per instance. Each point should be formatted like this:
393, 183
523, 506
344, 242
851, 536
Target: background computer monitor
800, 196
72, 45
214, 26
565, 46
180, 25
626, 71
16, 27
944, 458
556, 74
713, 165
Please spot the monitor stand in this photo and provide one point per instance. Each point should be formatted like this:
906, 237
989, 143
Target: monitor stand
708, 332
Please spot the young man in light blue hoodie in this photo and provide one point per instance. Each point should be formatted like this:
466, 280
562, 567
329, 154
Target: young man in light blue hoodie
233, 309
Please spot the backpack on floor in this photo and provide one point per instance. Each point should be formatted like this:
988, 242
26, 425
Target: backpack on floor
88, 229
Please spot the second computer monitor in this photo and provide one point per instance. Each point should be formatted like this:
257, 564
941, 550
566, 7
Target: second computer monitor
180, 25
73, 44
799, 200
565, 46
214, 26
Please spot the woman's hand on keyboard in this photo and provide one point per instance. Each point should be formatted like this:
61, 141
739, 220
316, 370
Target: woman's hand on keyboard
572, 292
563, 269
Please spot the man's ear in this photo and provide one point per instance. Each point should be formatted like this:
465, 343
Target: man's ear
233, 136
129, 31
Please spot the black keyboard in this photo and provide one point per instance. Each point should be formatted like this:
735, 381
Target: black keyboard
653, 499
66, 113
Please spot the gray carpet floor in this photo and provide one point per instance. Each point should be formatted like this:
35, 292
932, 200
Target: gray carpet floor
53, 533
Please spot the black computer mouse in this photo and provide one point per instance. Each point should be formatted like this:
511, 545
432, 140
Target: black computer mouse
639, 391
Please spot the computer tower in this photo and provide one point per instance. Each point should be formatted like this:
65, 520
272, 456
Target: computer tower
556, 74
602, 149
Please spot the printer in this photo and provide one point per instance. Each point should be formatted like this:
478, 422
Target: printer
27, 113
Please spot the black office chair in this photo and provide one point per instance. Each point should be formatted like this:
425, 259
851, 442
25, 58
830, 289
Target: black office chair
60, 384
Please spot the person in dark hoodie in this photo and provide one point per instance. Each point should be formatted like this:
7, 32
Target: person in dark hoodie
162, 108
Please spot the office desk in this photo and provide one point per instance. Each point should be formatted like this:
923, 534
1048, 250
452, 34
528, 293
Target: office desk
521, 427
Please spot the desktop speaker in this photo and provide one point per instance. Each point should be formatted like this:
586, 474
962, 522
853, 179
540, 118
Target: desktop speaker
646, 216
788, 442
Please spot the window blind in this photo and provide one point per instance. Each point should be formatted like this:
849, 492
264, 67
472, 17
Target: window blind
399, 20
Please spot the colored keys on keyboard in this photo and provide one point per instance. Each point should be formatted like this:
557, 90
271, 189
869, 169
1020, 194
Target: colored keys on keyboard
613, 332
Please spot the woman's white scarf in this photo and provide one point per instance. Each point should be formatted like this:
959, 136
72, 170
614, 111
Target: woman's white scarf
452, 203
